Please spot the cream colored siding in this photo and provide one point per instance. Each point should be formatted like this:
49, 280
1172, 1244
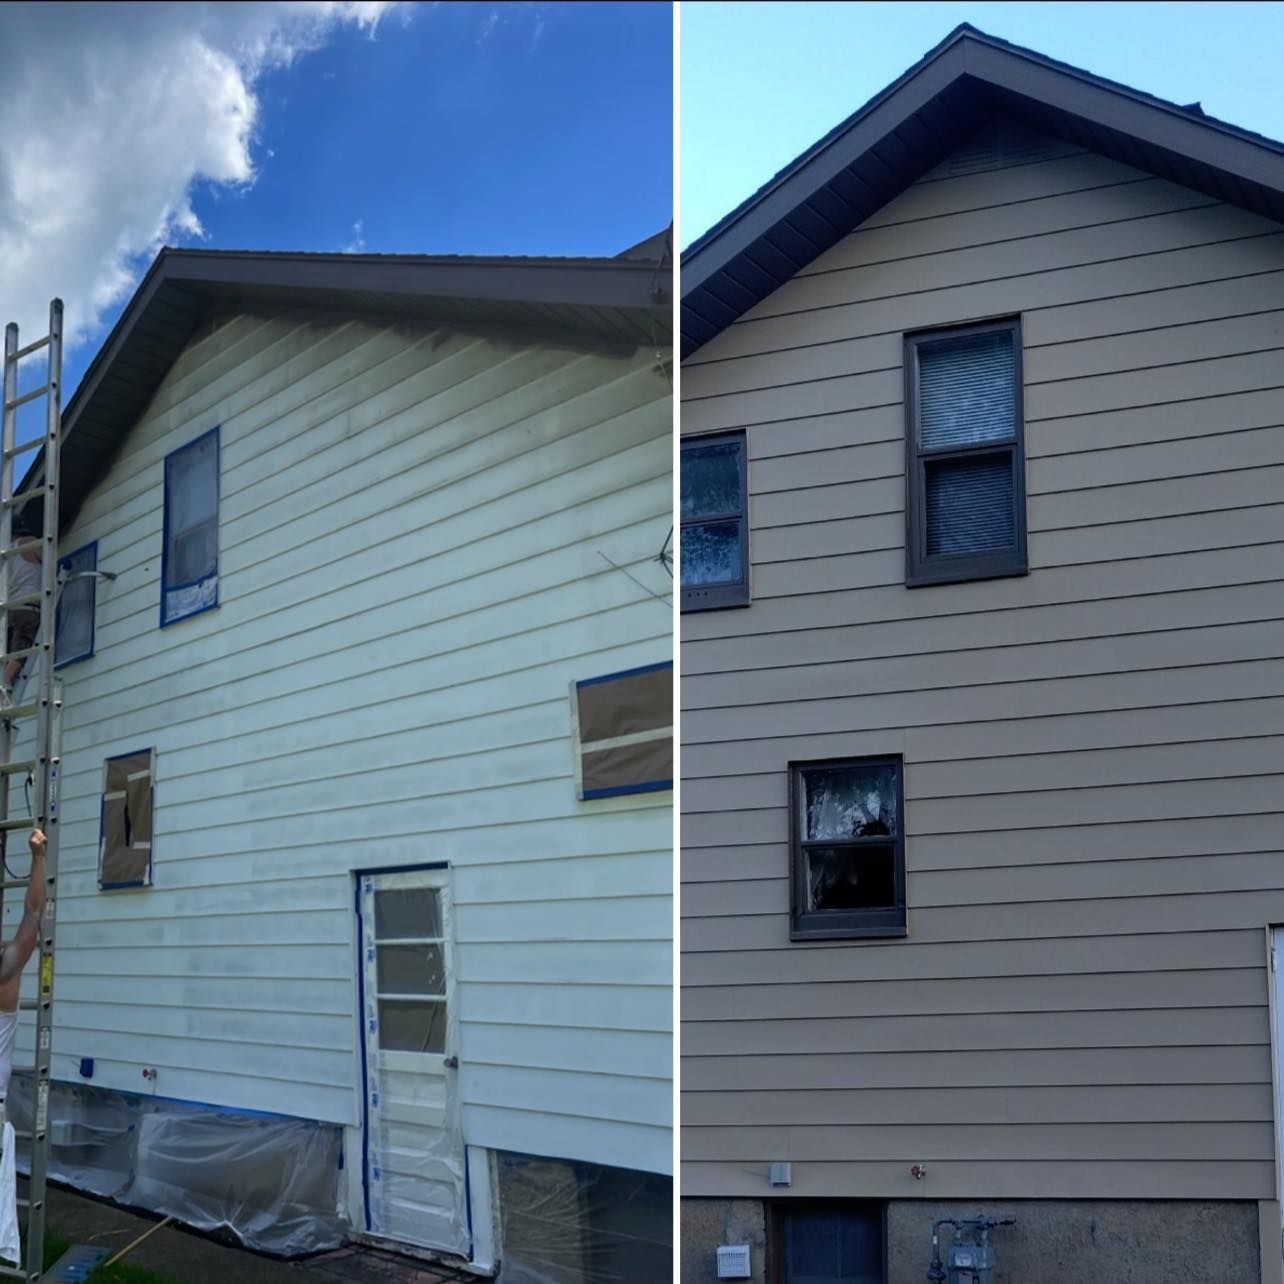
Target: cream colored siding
1094, 754
413, 529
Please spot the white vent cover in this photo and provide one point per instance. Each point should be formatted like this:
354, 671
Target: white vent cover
733, 1262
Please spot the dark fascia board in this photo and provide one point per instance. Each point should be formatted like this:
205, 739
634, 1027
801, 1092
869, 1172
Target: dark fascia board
987, 62
609, 283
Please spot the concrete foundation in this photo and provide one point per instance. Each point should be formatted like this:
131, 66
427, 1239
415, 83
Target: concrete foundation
1053, 1241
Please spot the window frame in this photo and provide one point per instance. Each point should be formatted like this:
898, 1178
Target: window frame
148, 879
863, 924
165, 586
93, 606
714, 597
951, 568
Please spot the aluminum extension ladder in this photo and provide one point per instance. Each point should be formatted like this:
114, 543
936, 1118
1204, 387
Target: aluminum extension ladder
45, 706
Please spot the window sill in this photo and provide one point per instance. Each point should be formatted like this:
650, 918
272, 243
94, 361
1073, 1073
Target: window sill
813, 927
716, 597
942, 573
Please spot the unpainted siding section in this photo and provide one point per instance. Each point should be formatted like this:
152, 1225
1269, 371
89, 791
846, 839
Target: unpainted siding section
414, 534
1094, 753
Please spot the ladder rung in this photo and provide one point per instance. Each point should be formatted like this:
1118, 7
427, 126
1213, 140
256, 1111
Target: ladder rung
42, 391
12, 1272
6, 656
14, 451
22, 1132
15, 711
19, 822
10, 883
28, 1005
33, 346
17, 767
24, 495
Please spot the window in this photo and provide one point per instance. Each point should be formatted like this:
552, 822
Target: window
965, 454
74, 620
189, 570
125, 833
410, 970
623, 728
715, 528
829, 1244
848, 848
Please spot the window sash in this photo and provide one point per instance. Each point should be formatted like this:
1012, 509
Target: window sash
806, 924
922, 568
723, 592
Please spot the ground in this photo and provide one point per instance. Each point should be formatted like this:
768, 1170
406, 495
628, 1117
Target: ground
175, 1255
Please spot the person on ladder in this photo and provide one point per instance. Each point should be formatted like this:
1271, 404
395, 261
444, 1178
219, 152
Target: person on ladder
24, 621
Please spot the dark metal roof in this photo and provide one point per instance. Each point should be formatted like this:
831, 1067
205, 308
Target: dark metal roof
915, 123
609, 302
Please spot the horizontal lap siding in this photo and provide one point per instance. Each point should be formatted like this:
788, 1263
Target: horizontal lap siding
412, 542
1094, 754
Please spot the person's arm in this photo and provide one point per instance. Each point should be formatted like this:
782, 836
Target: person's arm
20, 949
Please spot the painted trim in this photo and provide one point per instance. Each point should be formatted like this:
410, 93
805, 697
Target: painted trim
365, 1069
93, 608
165, 585
624, 673
619, 791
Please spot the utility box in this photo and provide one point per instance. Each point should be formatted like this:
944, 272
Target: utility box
733, 1262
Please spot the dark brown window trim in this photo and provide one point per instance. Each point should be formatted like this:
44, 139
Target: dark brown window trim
920, 569
821, 925
711, 597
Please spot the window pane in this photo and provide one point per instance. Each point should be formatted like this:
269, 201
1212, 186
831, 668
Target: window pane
711, 554
969, 505
192, 478
413, 912
711, 479
411, 1027
193, 554
846, 878
967, 389
411, 969
849, 802
823, 1247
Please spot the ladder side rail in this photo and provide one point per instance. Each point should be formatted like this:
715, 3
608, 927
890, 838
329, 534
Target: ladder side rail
8, 433
48, 737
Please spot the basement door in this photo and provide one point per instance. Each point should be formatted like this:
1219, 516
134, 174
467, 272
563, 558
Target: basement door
415, 1187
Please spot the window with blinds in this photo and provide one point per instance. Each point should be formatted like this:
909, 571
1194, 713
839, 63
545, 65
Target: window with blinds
966, 463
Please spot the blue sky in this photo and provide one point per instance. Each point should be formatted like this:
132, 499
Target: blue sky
473, 129
761, 82
525, 127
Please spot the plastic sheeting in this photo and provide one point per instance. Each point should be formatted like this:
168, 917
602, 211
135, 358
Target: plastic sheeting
270, 1180
577, 1223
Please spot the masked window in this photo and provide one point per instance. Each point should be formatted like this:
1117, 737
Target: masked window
190, 576
624, 731
125, 840
74, 629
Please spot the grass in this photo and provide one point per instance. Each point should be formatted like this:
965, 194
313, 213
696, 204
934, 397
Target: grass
121, 1273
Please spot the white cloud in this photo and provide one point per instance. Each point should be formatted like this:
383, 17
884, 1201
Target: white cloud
112, 114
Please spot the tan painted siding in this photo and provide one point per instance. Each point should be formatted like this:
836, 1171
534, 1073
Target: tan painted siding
1094, 753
